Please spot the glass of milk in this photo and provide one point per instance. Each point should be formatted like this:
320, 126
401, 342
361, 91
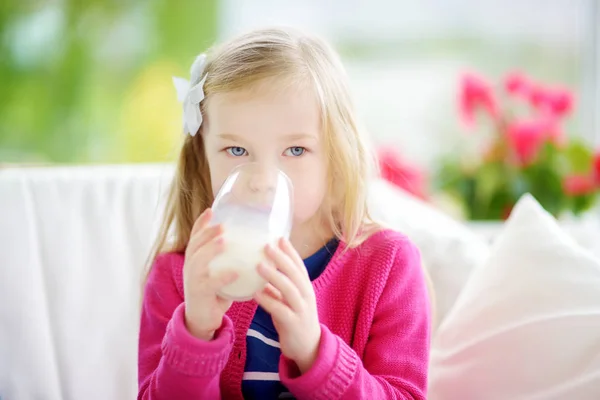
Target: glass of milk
254, 205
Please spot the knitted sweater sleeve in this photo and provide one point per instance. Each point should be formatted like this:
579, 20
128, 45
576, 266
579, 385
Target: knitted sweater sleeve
394, 364
173, 364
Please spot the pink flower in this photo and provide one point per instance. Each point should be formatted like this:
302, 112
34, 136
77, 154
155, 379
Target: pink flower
538, 95
560, 101
578, 185
556, 101
554, 131
476, 93
516, 83
596, 168
401, 174
526, 138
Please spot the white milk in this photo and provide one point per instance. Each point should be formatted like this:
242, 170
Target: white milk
244, 250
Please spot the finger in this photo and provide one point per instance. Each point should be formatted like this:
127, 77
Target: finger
204, 236
285, 264
200, 225
276, 308
222, 279
291, 252
271, 291
204, 255
202, 221
289, 292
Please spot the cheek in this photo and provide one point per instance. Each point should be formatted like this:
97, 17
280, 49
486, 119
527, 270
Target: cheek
218, 173
216, 182
220, 167
310, 187
307, 202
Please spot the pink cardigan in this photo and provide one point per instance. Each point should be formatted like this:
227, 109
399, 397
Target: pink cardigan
375, 319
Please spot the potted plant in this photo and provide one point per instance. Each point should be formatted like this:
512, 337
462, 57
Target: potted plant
521, 147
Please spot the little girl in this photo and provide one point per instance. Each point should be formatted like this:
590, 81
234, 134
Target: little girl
345, 313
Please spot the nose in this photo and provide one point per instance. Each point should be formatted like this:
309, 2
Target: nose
263, 179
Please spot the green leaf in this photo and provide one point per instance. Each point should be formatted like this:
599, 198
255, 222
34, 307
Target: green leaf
579, 157
580, 204
544, 182
489, 178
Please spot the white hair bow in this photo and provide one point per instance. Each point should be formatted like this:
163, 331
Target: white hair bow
190, 94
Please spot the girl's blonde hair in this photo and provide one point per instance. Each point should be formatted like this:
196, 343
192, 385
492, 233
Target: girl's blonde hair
286, 57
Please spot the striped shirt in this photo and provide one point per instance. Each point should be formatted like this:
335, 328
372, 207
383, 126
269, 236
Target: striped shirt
261, 376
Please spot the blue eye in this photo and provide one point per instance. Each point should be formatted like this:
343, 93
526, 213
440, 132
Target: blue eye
236, 151
295, 151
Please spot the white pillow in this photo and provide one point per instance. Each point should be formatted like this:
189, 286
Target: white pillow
527, 324
450, 251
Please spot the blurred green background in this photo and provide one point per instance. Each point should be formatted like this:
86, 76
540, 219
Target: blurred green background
90, 81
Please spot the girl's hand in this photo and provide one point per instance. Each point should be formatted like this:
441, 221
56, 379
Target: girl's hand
204, 310
290, 299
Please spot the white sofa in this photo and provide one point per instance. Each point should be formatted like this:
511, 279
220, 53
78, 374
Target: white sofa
73, 244
72, 248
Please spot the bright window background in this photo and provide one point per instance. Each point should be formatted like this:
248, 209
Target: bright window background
91, 81
405, 57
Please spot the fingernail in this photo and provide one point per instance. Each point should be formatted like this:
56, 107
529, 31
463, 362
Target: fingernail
261, 268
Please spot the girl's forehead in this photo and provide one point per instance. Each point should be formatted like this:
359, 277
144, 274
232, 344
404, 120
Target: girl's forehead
267, 108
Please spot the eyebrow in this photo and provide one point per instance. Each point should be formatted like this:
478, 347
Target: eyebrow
229, 136
300, 136
292, 136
